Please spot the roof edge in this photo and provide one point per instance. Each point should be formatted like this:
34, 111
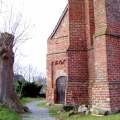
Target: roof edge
59, 22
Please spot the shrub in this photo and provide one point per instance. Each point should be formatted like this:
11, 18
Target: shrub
68, 108
26, 89
31, 90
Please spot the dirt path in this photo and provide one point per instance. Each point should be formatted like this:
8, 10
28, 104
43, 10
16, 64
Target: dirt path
36, 112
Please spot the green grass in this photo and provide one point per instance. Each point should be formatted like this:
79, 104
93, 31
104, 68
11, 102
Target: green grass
25, 100
54, 111
64, 116
42, 104
7, 114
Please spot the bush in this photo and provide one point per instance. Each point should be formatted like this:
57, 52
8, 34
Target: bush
42, 95
18, 85
31, 90
26, 89
68, 108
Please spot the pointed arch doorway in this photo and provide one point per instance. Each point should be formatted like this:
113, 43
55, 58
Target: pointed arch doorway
60, 89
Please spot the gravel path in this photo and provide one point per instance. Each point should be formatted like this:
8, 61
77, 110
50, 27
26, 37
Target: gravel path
36, 112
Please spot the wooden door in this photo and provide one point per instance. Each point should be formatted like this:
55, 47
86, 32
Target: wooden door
60, 89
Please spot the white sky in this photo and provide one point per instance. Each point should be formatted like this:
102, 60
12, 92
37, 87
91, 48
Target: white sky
44, 15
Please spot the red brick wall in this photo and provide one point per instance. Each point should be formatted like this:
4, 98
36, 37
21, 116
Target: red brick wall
57, 48
90, 31
55, 70
63, 29
77, 90
88, 40
60, 41
77, 25
106, 88
113, 63
100, 88
112, 9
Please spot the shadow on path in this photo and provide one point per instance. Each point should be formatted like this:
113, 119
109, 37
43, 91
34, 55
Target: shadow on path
36, 112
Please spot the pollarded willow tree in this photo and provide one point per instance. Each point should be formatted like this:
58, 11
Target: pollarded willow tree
13, 32
7, 95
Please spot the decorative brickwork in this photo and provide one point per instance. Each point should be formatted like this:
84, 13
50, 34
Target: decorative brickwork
85, 48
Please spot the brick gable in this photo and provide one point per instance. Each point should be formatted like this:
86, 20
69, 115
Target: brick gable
84, 47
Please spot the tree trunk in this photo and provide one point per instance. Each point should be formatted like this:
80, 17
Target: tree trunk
7, 95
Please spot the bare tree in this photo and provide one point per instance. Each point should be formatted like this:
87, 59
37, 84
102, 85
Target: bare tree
7, 95
28, 71
13, 32
13, 22
21, 70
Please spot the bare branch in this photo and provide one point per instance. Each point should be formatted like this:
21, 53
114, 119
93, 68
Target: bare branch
10, 19
16, 24
23, 32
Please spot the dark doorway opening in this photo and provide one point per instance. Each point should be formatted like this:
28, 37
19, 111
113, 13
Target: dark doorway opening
60, 89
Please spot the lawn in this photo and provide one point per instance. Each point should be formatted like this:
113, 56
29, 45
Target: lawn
54, 110
7, 114
25, 100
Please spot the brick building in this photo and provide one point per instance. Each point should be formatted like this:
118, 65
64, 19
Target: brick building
83, 60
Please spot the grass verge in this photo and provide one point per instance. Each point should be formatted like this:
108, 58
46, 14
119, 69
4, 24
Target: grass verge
55, 111
25, 100
7, 114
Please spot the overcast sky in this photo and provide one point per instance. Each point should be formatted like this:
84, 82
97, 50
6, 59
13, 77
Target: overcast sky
43, 16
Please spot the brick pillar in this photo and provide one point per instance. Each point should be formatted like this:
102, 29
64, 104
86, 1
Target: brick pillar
77, 89
106, 90
90, 31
